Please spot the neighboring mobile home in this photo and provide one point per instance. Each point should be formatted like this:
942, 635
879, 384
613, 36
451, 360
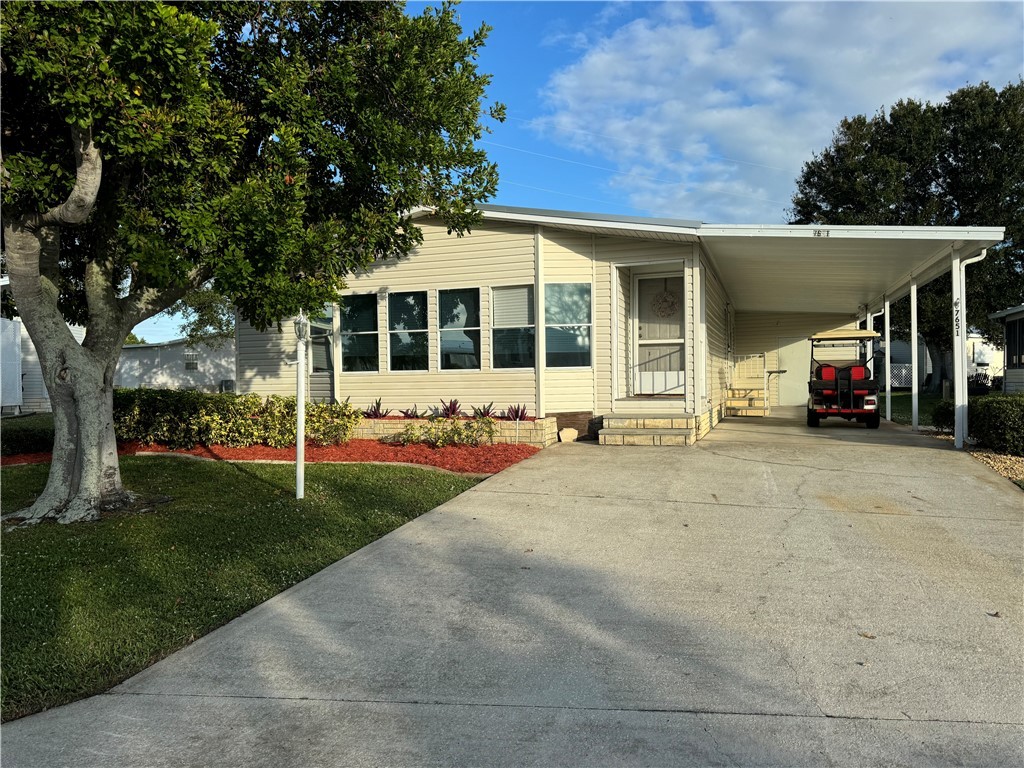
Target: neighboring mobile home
586, 315
177, 364
23, 387
1013, 348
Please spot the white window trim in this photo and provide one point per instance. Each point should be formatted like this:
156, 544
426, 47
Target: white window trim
190, 356
589, 325
495, 326
340, 352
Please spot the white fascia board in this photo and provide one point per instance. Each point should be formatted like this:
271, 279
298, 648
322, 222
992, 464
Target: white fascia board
574, 223
992, 234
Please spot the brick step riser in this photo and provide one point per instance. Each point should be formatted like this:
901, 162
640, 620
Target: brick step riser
621, 422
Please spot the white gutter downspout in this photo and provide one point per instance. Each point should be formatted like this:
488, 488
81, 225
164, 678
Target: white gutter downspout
959, 277
888, 366
914, 351
540, 337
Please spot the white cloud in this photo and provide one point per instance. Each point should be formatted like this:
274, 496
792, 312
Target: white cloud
731, 98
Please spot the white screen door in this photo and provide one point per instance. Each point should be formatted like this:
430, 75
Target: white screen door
659, 367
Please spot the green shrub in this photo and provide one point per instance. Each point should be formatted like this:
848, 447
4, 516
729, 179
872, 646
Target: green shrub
186, 419
997, 422
438, 432
943, 416
26, 434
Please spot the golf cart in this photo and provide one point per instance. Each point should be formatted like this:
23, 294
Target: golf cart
841, 383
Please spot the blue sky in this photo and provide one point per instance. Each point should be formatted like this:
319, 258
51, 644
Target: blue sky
706, 111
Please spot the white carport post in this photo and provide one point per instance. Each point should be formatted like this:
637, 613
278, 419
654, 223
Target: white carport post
959, 377
914, 349
960, 344
888, 366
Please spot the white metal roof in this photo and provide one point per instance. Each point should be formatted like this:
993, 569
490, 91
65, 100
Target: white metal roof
789, 267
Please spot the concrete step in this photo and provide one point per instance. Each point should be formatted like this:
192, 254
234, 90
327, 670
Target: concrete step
648, 421
747, 411
651, 405
744, 402
620, 436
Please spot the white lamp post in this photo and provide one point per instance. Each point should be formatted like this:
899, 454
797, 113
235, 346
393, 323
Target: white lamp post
302, 334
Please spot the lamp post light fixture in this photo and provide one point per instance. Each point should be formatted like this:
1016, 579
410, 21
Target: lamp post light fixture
302, 334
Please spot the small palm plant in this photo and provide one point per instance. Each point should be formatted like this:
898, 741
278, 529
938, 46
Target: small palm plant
376, 410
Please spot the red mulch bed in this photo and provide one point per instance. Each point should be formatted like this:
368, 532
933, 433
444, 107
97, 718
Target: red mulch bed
483, 460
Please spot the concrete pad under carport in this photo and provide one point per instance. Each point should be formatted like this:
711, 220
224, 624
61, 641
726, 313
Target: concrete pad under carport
796, 600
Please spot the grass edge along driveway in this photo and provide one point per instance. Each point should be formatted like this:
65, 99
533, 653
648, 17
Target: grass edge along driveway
87, 606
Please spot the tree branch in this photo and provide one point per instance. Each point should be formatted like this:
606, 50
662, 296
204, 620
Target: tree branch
88, 173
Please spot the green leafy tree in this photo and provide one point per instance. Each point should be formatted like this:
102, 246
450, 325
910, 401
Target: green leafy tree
959, 163
153, 153
131, 338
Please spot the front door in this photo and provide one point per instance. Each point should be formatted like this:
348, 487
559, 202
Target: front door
658, 348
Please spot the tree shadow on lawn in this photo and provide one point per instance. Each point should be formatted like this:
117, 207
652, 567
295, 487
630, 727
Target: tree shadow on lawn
89, 586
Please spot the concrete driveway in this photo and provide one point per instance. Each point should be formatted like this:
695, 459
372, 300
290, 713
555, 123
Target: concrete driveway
771, 596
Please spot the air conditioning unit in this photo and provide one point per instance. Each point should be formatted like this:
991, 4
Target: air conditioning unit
227, 385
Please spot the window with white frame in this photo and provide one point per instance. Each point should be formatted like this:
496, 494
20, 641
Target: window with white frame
513, 333
359, 339
407, 331
567, 325
321, 340
191, 360
459, 320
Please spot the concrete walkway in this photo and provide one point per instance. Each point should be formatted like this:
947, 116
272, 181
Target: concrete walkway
771, 596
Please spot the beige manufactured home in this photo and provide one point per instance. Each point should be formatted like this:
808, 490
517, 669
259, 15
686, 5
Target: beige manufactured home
664, 324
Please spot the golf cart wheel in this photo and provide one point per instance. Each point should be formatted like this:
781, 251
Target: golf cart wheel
873, 421
813, 419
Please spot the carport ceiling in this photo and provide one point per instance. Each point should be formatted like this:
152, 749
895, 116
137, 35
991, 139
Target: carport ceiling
790, 268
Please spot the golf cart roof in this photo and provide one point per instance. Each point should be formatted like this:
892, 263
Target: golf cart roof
845, 335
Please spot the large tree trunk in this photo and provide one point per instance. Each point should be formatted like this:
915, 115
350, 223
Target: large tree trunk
84, 474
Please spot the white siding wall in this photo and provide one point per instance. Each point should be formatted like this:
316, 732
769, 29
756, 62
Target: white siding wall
624, 346
761, 331
260, 360
568, 258
718, 362
163, 367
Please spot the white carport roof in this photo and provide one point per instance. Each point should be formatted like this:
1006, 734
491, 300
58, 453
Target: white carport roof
797, 268
789, 267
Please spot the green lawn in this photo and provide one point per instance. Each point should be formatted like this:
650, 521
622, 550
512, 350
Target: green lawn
88, 605
901, 408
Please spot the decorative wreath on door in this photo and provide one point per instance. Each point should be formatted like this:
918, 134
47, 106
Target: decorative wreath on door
665, 304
